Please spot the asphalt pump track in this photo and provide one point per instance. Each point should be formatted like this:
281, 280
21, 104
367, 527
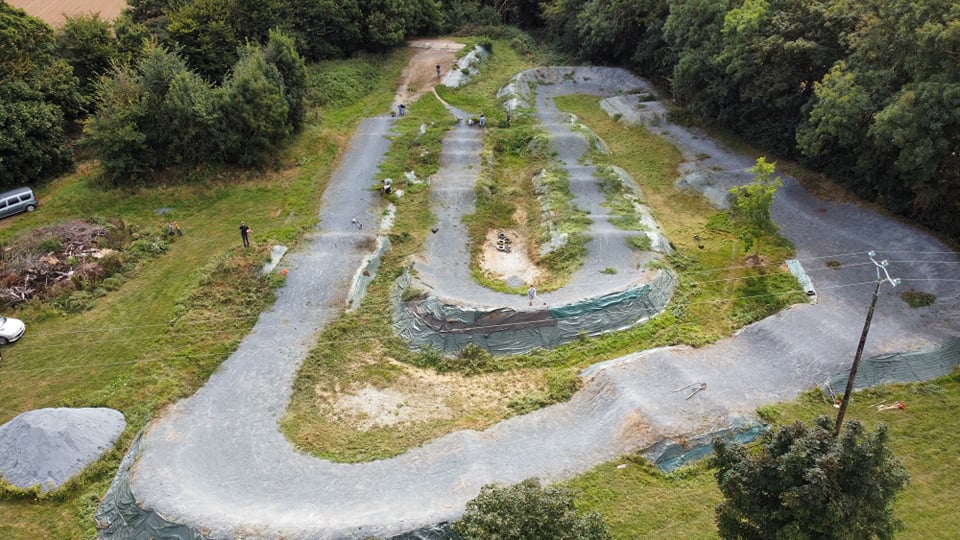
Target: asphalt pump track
216, 466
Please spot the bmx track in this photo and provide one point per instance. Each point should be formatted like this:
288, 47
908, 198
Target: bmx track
217, 464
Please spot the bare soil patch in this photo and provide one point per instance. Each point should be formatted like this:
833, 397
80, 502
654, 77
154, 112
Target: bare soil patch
54, 12
496, 261
423, 395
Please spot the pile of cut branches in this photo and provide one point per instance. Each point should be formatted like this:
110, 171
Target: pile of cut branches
52, 260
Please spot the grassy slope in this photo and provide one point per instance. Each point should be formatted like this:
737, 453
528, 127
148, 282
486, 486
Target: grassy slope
124, 353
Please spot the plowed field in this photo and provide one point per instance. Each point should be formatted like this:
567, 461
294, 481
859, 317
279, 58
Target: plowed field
53, 11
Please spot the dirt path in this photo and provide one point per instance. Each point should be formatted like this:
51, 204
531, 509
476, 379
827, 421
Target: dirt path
420, 75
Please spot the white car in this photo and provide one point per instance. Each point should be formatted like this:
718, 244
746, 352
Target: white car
10, 330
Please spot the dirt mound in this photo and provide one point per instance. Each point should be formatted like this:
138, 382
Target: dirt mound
420, 75
47, 447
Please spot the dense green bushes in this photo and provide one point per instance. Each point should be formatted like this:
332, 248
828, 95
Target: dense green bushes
867, 90
38, 94
214, 101
243, 122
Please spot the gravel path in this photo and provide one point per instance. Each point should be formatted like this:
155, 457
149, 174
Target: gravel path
444, 265
216, 461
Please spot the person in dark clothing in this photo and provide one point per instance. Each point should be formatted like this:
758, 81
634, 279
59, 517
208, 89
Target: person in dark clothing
245, 233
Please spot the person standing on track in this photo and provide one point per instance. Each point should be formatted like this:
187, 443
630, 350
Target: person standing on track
245, 233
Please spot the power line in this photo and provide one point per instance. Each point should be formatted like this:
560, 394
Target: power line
882, 276
177, 326
187, 320
365, 338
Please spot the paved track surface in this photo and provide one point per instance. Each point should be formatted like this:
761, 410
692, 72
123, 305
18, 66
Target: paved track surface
444, 265
216, 460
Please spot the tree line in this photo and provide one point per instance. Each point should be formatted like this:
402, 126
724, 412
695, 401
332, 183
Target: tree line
867, 91
184, 82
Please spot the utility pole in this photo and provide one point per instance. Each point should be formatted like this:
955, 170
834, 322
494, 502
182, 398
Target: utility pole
881, 267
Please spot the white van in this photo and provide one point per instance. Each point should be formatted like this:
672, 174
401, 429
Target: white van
16, 201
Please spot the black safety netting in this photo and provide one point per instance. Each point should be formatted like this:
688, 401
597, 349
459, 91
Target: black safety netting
915, 366
119, 517
432, 323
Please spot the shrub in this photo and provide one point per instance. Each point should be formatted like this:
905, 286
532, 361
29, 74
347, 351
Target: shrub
917, 299
562, 384
528, 403
474, 358
640, 242
77, 302
527, 511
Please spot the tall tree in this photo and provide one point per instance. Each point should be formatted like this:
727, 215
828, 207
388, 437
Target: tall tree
157, 69
324, 29
609, 30
254, 110
204, 34
191, 104
695, 29
87, 43
131, 131
384, 24
252, 19
884, 118
921, 128
114, 132
282, 53
131, 37
750, 205
562, 22
804, 483
773, 52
